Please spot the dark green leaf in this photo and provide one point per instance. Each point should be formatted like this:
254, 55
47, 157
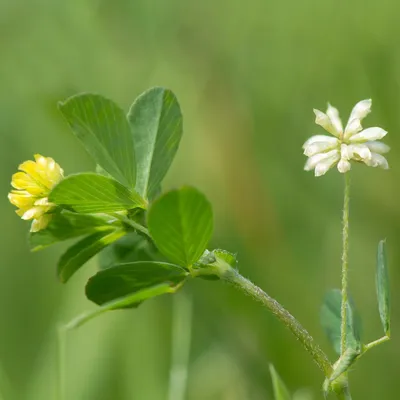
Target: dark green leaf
104, 131
93, 193
156, 122
382, 287
67, 225
131, 247
181, 224
128, 301
126, 279
331, 321
280, 390
83, 251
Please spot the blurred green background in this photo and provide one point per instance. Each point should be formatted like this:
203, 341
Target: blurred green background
247, 75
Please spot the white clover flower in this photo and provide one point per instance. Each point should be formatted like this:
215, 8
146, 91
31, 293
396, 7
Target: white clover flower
352, 143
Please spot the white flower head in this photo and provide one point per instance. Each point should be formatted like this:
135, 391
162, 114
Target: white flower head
353, 143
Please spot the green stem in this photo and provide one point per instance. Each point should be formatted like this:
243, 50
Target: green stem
61, 360
345, 263
233, 277
131, 223
181, 338
377, 342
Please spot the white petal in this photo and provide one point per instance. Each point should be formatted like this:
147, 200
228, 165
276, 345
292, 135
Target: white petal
345, 152
318, 158
378, 147
343, 166
318, 147
323, 120
323, 166
369, 134
361, 150
320, 138
353, 127
361, 109
377, 160
333, 115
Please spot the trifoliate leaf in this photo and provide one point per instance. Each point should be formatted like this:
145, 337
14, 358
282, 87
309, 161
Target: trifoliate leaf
331, 321
82, 251
93, 193
156, 121
382, 287
181, 224
127, 279
104, 131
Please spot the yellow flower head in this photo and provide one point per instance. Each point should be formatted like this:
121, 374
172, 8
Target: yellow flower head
32, 186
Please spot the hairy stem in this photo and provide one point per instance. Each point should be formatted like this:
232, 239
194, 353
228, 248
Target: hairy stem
345, 263
181, 338
234, 278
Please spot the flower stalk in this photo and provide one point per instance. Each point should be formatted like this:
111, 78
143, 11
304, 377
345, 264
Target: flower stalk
345, 263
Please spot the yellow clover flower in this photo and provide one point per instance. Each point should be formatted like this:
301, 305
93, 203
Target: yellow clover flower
32, 186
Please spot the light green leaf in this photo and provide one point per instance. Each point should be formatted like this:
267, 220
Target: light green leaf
93, 193
126, 279
68, 225
331, 321
156, 122
104, 131
382, 287
280, 390
128, 301
181, 224
82, 251
131, 247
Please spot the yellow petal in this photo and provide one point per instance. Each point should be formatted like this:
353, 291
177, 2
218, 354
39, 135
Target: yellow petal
34, 213
41, 161
21, 199
35, 172
23, 181
41, 223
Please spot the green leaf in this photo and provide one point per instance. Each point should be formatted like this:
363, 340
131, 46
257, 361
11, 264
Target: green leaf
82, 251
104, 131
382, 287
156, 122
68, 225
93, 193
280, 390
331, 321
122, 303
126, 279
181, 224
131, 247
